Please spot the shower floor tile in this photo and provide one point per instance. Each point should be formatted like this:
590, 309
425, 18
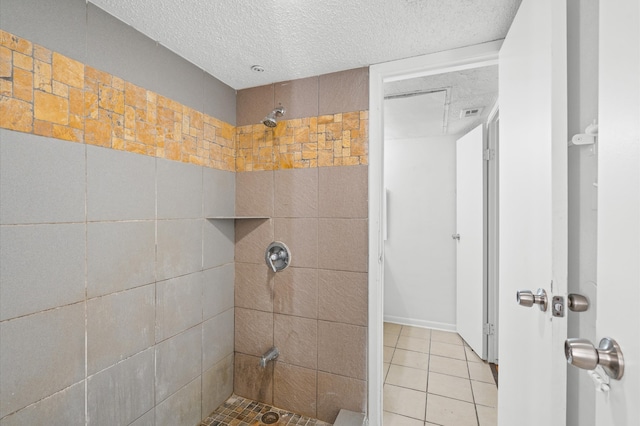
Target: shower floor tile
239, 411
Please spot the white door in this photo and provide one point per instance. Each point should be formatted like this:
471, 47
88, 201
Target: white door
618, 289
533, 214
470, 314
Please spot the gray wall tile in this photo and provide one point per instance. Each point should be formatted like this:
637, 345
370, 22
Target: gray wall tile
217, 385
120, 256
42, 267
348, 243
65, 408
254, 286
301, 236
342, 297
120, 185
297, 339
118, 326
218, 290
179, 79
295, 389
219, 192
131, 381
298, 97
344, 91
219, 99
119, 49
252, 239
147, 419
296, 193
178, 362
42, 180
342, 349
252, 105
40, 355
178, 305
252, 381
218, 244
217, 338
59, 25
179, 248
179, 187
254, 193
296, 292
343, 192
183, 407
253, 331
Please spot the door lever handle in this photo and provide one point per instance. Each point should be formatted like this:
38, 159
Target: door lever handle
527, 298
582, 354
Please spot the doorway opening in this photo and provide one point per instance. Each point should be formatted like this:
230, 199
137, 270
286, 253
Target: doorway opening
380, 75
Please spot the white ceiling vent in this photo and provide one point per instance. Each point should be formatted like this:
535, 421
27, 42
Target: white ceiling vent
471, 112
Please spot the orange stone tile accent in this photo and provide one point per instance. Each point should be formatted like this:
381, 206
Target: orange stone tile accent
22, 84
48, 94
68, 71
6, 62
22, 61
51, 108
16, 115
42, 76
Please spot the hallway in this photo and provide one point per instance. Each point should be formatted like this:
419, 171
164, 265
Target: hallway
433, 378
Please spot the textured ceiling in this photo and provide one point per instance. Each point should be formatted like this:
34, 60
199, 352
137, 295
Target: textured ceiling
419, 116
301, 38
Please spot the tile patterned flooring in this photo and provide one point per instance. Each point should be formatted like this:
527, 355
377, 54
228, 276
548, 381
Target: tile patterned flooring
239, 411
433, 378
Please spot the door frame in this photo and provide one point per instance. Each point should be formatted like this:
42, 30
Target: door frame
480, 55
492, 229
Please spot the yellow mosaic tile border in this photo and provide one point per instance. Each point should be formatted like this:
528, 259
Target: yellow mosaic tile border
48, 94
324, 141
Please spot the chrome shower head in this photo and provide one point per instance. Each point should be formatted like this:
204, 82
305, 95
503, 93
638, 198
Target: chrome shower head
271, 120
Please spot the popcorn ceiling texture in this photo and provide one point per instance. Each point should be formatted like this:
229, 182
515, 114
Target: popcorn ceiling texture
48, 94
295, 39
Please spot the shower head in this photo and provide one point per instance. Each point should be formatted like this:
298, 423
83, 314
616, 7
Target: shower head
271, 120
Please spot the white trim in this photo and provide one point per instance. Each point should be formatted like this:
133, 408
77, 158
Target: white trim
420, 323
452, 60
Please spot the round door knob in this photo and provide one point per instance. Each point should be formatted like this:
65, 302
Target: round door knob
582, 354
528, 299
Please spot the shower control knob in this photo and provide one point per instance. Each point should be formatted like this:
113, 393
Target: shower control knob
582, 354
527, 298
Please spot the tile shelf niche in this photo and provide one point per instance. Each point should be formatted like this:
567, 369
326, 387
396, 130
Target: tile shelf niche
238, 217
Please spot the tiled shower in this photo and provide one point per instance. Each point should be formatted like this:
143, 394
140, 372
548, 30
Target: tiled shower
124, 297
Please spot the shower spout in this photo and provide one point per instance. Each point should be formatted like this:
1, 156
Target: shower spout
270, 355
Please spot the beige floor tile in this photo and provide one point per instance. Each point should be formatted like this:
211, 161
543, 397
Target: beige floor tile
407, 377
471, 355
392, 419
416, 332
488, 416
388, 353
450, 412
449, 386
411, 359
448, 350
392, 328
413, 344
481, 372
385, 371
446, 337
485, 393
450, 366
406, 402
390, 339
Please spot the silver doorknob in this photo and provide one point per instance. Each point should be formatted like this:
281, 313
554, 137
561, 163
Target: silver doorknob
528, 299
582, 354
577, 303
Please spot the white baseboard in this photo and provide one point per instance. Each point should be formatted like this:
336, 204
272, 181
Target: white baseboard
420, 323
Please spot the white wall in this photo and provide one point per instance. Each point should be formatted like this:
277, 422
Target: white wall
420, 281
